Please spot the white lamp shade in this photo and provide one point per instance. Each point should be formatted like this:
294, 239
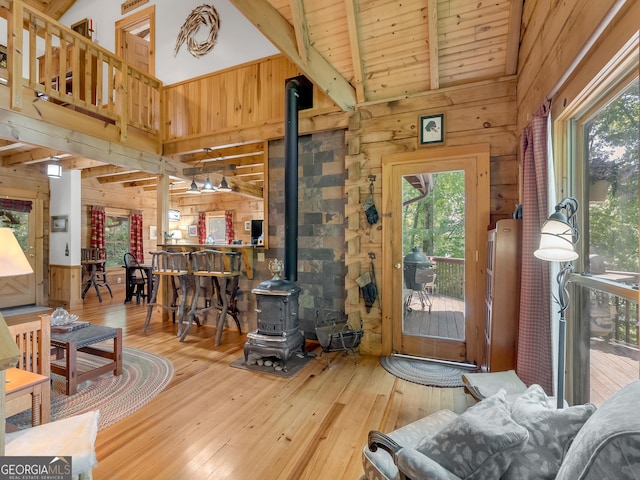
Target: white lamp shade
176, 234
556, 242
13, 262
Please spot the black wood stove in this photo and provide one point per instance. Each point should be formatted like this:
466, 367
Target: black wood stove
279, 333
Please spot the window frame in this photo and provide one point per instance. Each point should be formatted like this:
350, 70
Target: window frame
570, 174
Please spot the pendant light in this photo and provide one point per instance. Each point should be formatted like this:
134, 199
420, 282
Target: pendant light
54, 169
224, 186
194, 187
208, 186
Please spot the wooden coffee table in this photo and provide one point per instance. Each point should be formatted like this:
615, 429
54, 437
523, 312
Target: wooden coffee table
67, 346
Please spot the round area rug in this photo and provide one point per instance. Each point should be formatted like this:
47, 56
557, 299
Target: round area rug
424, 373
144, 375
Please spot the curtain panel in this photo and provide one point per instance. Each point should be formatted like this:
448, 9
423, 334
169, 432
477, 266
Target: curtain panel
535, 357
98, 217
136, 242
230, 234
202, 228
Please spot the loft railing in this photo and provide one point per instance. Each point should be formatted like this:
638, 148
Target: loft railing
66, 68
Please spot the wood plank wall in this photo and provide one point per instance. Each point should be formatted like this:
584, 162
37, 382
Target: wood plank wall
553, 36
481, 113
251, 95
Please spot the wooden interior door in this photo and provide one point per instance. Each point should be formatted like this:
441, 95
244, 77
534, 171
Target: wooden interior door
21, 290
135, 42
442, 321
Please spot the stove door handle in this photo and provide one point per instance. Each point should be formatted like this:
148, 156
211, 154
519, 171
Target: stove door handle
258, 310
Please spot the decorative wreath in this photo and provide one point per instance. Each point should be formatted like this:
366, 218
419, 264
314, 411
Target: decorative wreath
204, 15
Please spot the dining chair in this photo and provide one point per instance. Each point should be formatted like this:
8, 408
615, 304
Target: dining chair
216, 275
136, 278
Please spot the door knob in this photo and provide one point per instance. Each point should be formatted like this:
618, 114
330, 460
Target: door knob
398, 266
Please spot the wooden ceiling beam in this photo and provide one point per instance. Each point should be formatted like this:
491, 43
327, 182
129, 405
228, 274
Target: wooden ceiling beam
353, 28
36, 155
300, 28
513, 38
126, 177
253, 148
434, 66
104, 170
316, 68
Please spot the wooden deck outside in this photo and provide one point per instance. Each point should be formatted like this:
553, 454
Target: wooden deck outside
446, 318
613, 365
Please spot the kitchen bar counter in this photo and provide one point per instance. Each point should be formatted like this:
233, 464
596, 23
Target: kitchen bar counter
245, 250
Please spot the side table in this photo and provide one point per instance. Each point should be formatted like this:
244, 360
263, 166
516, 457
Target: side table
67, 345
20, 383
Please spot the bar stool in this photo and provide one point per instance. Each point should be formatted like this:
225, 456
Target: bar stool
175, 267
218, 273
94, 272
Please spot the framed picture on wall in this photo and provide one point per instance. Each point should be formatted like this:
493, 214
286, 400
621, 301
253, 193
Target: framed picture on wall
153, 232
431, 129
193, 230
247, 226
59, 223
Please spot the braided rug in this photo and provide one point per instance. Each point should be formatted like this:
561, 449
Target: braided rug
144, 375
424, 373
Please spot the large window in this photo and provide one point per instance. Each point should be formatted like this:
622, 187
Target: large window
603, 174
116, 232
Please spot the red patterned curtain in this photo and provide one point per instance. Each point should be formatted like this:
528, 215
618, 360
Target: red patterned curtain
202, 228
228, 217
136, 243
98, 217
535, 357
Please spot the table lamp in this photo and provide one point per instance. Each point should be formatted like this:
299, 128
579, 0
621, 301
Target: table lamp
12, 263
558, 238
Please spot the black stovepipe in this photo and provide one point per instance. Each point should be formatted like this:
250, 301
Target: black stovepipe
291, 181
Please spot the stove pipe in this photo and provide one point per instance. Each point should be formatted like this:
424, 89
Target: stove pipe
292, 95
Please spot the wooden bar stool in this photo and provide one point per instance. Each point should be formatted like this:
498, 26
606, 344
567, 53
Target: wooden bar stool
94, 272
218, 274
175, 267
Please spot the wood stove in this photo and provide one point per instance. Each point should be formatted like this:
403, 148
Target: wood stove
278, 332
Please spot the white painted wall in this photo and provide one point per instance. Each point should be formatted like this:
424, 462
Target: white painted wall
238, 40
65, 199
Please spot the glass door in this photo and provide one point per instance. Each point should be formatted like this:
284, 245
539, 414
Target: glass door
435, 243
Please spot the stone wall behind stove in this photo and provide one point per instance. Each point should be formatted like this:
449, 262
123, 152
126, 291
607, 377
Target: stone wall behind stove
321, 206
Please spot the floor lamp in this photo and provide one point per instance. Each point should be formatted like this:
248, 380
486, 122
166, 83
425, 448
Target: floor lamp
558, 237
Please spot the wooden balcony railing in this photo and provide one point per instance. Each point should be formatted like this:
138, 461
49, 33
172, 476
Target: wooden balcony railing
449, 276
77, 73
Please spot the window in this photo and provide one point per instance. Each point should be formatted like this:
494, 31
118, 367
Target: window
116, 233
602, 174
216, 227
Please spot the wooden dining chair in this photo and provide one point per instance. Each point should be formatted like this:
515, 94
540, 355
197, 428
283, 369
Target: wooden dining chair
137, 278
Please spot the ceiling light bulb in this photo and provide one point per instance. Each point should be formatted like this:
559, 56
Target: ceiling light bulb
208, 186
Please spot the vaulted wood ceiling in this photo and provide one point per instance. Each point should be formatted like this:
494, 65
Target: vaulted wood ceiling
357, 51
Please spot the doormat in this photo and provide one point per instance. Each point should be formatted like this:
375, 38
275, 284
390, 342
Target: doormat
424, 373
294, 365
9, 312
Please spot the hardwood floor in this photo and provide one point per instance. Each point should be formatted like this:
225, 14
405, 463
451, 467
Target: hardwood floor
218, 422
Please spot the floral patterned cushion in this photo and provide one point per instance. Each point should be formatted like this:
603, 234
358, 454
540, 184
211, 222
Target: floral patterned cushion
551, 432
481, 443
379, 465
608, 446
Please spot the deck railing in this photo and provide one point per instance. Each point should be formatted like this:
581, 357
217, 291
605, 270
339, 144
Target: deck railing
75, 72
449, 276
